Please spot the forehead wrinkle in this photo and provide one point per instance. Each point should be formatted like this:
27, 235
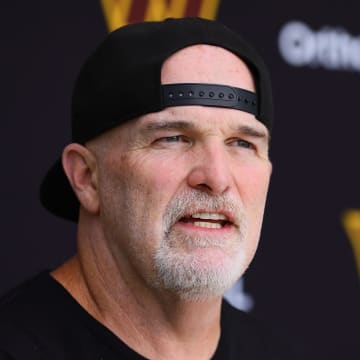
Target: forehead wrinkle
169, 125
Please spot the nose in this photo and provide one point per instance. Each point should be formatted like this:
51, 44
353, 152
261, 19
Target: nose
211, 171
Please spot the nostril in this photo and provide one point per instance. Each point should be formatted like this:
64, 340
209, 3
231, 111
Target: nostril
204, 187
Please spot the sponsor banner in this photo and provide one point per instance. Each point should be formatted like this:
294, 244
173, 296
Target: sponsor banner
329, 47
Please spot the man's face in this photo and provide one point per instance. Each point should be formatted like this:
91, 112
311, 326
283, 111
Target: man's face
182, 191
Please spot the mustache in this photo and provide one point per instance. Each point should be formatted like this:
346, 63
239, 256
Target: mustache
191, 201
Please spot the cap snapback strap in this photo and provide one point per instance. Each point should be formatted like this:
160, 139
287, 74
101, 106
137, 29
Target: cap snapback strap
209, 95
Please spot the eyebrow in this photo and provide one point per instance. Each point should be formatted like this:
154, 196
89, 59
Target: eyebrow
252, 132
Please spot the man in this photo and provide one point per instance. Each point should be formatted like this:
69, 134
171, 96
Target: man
167, 177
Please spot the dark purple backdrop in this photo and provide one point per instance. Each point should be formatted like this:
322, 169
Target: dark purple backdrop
303, 278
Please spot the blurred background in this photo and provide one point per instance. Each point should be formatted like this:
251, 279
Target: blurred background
304, 280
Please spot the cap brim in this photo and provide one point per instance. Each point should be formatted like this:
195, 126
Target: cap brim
57, 196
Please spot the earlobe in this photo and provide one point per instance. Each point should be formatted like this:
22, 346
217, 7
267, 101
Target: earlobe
81, 170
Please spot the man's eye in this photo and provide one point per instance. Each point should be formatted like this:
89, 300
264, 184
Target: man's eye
175, 138
243, 143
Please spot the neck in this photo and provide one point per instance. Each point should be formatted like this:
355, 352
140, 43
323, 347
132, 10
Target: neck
152, 322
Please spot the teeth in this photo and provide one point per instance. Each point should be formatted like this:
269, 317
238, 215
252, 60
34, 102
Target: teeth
207, 225
210, 216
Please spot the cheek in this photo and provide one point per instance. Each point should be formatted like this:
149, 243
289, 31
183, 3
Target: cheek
253, 186
160, 176
253, 183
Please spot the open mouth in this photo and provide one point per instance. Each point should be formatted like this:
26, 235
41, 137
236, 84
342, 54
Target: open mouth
207, 220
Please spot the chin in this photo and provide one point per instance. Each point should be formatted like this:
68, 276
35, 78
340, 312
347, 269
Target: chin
198, 275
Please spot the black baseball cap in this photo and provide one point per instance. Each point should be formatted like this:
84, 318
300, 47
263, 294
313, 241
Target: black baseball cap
121, 81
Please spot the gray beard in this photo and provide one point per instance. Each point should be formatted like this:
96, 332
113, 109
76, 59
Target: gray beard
185, 273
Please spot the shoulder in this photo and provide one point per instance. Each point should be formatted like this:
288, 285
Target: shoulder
26, 314
27, 300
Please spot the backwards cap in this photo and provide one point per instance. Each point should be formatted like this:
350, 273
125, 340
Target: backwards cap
121, 80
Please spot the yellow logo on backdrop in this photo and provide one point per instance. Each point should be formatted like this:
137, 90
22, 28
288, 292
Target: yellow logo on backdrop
351, 223
121, 12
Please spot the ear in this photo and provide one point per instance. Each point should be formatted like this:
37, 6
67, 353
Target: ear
81, 169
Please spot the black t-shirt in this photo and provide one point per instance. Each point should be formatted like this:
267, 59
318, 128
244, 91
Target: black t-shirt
40, 320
